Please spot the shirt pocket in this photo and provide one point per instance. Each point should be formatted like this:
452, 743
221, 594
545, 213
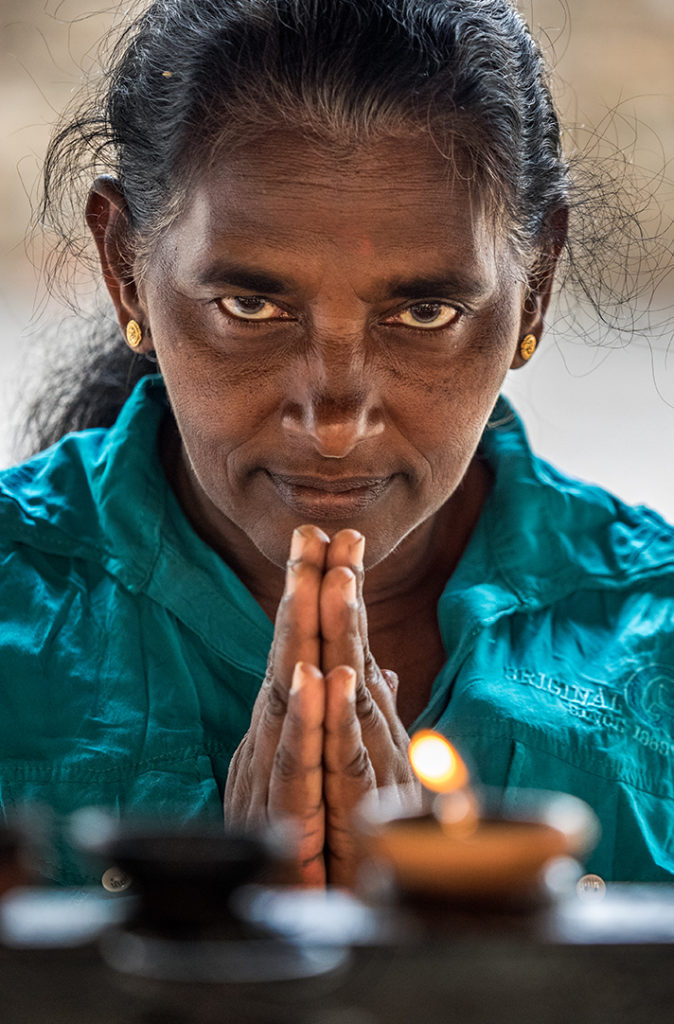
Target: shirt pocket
637, 826
166, 791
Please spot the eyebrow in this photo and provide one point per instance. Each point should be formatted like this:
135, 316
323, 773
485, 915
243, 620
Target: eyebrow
450, 284
237, 275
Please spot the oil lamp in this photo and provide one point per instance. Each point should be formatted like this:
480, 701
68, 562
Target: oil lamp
444, 837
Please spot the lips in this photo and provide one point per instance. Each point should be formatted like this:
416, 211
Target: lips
318, 497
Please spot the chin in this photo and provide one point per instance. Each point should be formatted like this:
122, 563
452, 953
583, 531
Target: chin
380, 541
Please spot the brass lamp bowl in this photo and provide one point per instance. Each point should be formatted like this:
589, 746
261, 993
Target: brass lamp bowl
497, 857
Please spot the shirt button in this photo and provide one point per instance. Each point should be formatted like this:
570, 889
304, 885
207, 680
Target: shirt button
115, 880
591, 887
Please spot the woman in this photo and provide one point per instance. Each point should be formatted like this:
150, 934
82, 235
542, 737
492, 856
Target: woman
335, 231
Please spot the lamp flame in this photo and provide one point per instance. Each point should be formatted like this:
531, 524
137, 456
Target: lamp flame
436, 763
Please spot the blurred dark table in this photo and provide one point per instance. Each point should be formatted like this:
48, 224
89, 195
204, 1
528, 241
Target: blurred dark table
579, 962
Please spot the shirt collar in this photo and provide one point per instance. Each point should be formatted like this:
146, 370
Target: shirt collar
543, 535
163, 555
540, 536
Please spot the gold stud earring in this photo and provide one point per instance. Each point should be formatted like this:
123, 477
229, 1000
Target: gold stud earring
134, 334
528, 346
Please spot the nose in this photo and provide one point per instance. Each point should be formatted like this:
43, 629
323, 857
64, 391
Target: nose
334, 403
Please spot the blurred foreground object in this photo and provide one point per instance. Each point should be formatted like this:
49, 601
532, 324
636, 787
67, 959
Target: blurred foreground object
280, 955
444, 845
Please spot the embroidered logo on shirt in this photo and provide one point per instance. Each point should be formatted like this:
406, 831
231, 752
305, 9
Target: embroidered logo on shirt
650, 696
596, 704
645, 712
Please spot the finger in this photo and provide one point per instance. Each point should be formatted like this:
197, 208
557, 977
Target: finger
382, 685
297, 626
347, 548
296, 779
342, 645
346, 760
348, 772
296, 638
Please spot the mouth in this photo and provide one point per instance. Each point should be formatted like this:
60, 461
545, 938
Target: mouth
316, 497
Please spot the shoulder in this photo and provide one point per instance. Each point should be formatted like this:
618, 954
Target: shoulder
81, 497
49, 501
52, 563
552, 533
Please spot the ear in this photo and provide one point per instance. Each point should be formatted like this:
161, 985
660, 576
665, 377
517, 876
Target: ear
108, 220
540, 281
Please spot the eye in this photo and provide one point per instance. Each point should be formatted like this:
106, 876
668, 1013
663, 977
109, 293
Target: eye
252, 307
429, 315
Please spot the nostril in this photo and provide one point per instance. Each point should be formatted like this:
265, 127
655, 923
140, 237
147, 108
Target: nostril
293, 416
334, 426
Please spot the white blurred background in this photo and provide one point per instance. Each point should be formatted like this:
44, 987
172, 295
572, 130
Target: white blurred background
603, 412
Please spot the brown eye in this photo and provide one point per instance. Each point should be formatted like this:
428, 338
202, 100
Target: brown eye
252, 307
427, 314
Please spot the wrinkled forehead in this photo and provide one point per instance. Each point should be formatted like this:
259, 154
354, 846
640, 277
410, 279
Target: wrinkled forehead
236, 163
397, 203
432, 153
401, 175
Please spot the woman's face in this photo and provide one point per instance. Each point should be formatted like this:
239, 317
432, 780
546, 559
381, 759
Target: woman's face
333, 335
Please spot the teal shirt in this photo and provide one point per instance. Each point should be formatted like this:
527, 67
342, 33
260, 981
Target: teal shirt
131, 655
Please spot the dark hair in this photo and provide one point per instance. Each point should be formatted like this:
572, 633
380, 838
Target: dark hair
190, 77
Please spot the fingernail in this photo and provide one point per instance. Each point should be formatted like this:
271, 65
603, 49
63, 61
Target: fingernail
298, 544
298, 678
291, 580
350, 686
356, 551
349, 588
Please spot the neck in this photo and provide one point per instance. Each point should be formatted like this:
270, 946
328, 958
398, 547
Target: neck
423, 562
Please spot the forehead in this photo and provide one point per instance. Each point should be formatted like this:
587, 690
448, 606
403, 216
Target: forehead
396, 199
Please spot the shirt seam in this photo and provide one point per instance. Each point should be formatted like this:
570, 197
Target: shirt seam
18, 769
516, 736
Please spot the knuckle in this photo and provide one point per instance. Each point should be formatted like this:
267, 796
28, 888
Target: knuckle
403, 773
311, 859
238, 804
240, 752
369, 665
240, 759
286, 766
276, 699
357, 766
380, 681
285, 629
313, 813
366, 709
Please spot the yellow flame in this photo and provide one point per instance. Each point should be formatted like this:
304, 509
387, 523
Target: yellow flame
436, 763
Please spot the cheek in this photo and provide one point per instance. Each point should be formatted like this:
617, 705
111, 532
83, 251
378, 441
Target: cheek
220, 411
445, 410
218, 399
212, 394
453, 406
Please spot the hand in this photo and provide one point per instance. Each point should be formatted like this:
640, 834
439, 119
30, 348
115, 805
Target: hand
365, 743
277, 770
324, 728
